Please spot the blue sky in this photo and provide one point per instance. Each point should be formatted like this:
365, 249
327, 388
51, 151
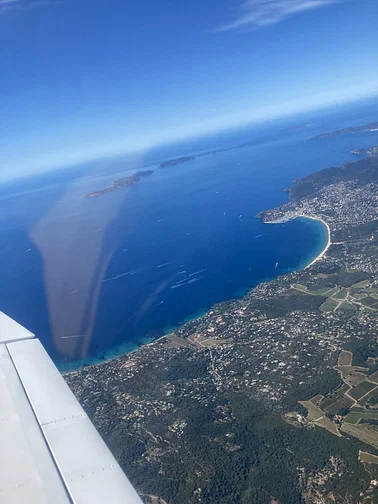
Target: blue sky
81, 79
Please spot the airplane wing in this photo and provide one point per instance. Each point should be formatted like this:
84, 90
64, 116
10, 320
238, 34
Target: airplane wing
50, 452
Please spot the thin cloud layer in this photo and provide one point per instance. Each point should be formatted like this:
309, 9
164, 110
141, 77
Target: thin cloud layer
7, 6
255, 13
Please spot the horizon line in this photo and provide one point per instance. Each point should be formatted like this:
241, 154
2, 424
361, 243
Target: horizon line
189, 136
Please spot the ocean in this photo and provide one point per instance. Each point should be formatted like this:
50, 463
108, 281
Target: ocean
97, 277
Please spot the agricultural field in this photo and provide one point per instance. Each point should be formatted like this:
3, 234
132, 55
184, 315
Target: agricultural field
357, 414
345, 358
370, 399
363, 432
301, 288
361, 421
361, 285
347, 370
316, 399
329, 305
341, 294
211, 342
347, 306
176, 342
369, 302
326, 423
367, 457
371, 310
327, 292
353, 379
316, 417
352, 418
194, 341
343, 298
334, 396
314, 413
374, 377
341, 404
361, 389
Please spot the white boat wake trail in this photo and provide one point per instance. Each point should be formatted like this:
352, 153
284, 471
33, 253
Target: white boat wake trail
133, 272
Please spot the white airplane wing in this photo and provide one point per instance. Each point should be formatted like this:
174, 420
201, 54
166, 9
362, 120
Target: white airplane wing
50, 452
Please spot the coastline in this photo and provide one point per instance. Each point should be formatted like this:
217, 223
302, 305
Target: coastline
70, 367
329, 241
305, 216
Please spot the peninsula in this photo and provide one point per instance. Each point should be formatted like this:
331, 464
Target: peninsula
373, 151
351, 129
269, 398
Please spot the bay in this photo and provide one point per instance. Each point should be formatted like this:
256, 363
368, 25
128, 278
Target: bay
97, 277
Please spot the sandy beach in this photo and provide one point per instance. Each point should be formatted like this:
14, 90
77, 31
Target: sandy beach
329, 242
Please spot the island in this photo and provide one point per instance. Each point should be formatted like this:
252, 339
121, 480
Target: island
177, 161
271, 398
136, 177
122, 182
351, 129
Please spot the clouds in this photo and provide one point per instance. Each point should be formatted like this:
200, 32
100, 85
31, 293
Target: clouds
255, 13
7, 6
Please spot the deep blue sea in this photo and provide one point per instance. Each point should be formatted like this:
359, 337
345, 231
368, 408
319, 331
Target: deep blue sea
96, 277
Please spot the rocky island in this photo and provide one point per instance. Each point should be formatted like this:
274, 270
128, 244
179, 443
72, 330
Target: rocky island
177, 161
122, 182
272, 398
136, 177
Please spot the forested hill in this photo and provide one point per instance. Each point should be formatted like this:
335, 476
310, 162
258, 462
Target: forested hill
362, 171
